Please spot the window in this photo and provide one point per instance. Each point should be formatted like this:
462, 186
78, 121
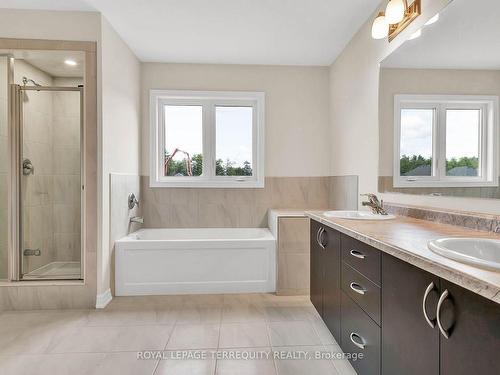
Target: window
207, 139
445, 141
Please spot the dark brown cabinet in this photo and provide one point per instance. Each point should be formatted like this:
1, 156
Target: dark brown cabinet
473, 325
403, 319
317, 268
409, 344
331, 287
413, 345
325, 275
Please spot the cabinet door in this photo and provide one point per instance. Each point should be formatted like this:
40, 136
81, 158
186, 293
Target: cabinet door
473, 325
331, 284
409, 344
317, 269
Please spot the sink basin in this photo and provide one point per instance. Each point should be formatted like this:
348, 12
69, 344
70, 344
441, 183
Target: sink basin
357, 215
479, 252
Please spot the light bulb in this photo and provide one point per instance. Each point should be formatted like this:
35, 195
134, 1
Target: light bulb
395, 11
433, 20
415, 35
70, 62
380, 28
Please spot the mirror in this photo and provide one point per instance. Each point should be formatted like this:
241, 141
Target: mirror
438, 106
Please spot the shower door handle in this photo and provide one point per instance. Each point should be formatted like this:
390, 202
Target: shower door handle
32, 252
28, 167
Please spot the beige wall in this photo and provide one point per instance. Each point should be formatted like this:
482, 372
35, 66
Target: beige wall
296, 109
354, 84
424, 81
120, 87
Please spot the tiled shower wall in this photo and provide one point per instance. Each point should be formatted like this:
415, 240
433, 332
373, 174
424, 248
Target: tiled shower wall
51, 196
199, 208
38, 223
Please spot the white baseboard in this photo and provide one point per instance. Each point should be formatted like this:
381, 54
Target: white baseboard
103, 299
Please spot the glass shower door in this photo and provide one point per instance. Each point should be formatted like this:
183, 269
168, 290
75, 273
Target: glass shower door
50, 182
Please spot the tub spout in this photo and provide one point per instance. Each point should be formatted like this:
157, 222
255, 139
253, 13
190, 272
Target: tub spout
137, 219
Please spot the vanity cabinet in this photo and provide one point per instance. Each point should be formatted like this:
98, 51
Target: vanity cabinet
325, 275
387, 309
413, 345
409, 344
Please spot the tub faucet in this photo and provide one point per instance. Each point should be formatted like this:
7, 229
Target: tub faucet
374, 203
137, 219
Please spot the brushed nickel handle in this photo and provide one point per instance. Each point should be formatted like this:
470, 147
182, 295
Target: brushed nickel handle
357, 288
357, 254
359, 345
438, 312
317, 235
320, 238
429, 289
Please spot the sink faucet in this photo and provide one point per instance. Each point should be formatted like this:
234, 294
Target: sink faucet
137, 219
374, 203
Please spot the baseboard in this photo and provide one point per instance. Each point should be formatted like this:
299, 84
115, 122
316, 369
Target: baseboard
103, 299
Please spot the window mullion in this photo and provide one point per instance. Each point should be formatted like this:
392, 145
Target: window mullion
441, 142
209, 140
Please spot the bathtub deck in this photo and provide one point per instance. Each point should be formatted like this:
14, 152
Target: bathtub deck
106, 341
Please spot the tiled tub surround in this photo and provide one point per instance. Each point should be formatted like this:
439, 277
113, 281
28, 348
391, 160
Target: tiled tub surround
406, 238
291, 230
106, 341
476, 221
199, 208
120, 186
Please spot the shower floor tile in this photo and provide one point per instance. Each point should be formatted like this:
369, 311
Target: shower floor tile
112, 340
69, 270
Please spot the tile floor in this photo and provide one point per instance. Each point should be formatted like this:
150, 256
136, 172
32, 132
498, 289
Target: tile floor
91, 342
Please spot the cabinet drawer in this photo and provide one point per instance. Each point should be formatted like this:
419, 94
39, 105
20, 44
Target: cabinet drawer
358, 328
362, 257
363, 291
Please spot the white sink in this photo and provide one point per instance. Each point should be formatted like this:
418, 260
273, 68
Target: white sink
479, 252
357, 215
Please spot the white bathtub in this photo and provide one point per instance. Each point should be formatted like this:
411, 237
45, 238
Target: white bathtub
190, 261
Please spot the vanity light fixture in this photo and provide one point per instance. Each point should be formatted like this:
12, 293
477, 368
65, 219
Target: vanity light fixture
397, 16
70, 62
432, 20
416, 34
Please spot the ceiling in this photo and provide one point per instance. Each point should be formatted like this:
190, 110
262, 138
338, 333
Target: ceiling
52, 62
467, 36
274, 32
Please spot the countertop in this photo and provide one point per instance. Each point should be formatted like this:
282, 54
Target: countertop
406, 238
275, 213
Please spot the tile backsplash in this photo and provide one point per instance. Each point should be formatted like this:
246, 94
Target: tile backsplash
201, 208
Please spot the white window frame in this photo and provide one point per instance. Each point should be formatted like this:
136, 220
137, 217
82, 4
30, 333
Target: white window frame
489, 142
208, 100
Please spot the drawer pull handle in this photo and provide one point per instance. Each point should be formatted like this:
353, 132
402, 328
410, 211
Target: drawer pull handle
358, 288
430, 288
359, 345
357, 254
319, 237
438, 313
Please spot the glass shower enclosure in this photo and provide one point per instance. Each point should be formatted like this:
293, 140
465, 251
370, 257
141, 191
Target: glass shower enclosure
47, 124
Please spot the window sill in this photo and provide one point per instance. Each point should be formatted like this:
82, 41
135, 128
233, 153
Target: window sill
214, 184
443, 184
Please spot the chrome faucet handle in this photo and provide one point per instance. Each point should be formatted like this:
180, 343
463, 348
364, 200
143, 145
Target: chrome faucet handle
132, 201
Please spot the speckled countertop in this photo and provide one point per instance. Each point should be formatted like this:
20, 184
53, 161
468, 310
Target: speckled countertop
406, 238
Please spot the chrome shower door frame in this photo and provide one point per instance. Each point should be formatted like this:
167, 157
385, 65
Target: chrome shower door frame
16, 143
